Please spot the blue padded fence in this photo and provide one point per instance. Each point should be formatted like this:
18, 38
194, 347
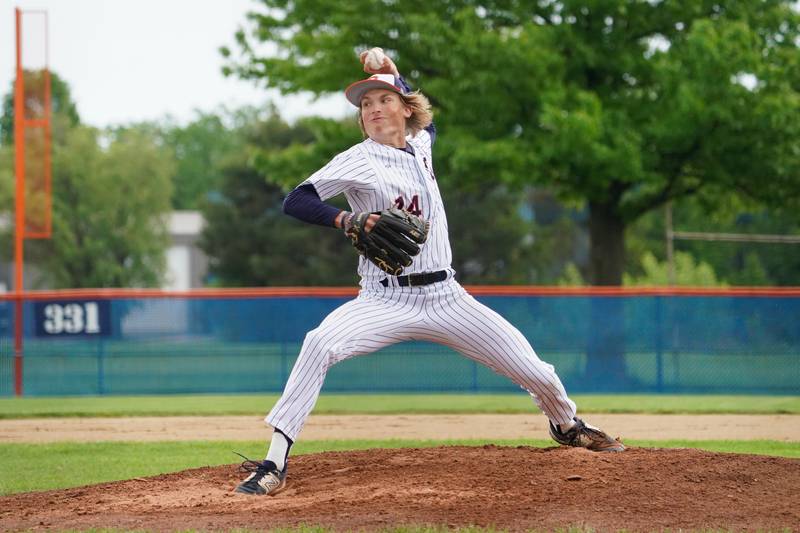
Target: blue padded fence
221, 343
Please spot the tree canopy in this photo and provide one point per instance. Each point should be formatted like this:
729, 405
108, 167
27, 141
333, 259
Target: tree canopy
109, 212
200, 149
734, 263
64, 112
248, 239
110, 198
620, 104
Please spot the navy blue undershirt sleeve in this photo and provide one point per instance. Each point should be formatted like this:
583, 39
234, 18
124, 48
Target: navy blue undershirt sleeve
430, 128
305, 204
404, 85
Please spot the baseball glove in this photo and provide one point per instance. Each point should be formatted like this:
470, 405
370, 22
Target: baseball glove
393, 240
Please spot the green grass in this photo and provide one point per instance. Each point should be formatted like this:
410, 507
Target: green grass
34, 467
198, 405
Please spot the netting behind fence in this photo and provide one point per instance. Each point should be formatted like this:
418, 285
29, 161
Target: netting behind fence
633, 343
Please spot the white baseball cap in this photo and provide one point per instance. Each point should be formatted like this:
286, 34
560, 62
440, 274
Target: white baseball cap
356, 91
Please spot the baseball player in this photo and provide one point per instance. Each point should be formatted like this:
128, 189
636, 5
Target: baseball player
393, 168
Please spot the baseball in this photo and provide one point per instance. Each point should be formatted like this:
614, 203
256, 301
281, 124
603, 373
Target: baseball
374, 59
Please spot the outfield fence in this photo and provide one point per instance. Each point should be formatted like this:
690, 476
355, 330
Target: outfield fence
607, 340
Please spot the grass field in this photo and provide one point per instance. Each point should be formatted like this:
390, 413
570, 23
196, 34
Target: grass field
200, 405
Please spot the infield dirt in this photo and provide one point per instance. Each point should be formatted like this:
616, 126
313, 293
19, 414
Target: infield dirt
517, 489
376, 427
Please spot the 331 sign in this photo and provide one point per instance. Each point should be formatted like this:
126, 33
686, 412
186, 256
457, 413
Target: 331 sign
80, 318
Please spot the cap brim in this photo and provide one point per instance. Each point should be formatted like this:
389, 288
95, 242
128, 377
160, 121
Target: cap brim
356, 91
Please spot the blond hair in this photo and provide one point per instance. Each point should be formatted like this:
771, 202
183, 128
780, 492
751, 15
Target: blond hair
421, 113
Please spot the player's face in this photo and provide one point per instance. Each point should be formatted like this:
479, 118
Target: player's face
384, 116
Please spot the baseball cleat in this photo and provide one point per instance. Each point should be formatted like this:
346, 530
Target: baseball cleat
582, 435
264, 478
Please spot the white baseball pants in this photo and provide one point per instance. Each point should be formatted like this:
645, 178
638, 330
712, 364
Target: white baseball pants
442, 313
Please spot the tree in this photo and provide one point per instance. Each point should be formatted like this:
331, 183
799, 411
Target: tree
735, 263
63, 109
200, 149
110, 198
250, 242
500, 236
64, 116
621, 104
109, 211
687, 272
489, 244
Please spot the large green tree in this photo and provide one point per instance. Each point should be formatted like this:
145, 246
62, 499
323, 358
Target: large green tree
110, 198
201, 148
621, 104
248, 239
109, 211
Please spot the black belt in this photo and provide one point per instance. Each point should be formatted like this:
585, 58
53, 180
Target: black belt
417, 280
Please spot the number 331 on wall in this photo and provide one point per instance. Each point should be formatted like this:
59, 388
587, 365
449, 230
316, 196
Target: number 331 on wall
73, 318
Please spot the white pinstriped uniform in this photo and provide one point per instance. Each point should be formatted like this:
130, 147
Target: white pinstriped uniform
373, 177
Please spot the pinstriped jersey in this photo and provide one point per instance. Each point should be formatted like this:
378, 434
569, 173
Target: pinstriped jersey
374, 177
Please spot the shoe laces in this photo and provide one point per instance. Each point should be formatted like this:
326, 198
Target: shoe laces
573, 434
595, 434
574, 430
249, 466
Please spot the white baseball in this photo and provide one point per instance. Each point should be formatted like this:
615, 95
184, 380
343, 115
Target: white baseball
374, 59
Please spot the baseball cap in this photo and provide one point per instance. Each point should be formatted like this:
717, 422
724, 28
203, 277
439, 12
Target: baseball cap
355, 91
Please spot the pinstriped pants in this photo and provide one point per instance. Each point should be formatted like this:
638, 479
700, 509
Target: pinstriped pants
442, 313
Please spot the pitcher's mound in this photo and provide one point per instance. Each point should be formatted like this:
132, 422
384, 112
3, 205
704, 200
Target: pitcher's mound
505, 488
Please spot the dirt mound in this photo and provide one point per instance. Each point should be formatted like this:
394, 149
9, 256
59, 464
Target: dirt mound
507, 488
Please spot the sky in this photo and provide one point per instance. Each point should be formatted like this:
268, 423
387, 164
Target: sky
135, 60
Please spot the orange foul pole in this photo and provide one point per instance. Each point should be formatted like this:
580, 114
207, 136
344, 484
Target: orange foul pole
19, 225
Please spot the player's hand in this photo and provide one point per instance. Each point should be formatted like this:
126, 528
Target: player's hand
388, 66
344, 221
371, 221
